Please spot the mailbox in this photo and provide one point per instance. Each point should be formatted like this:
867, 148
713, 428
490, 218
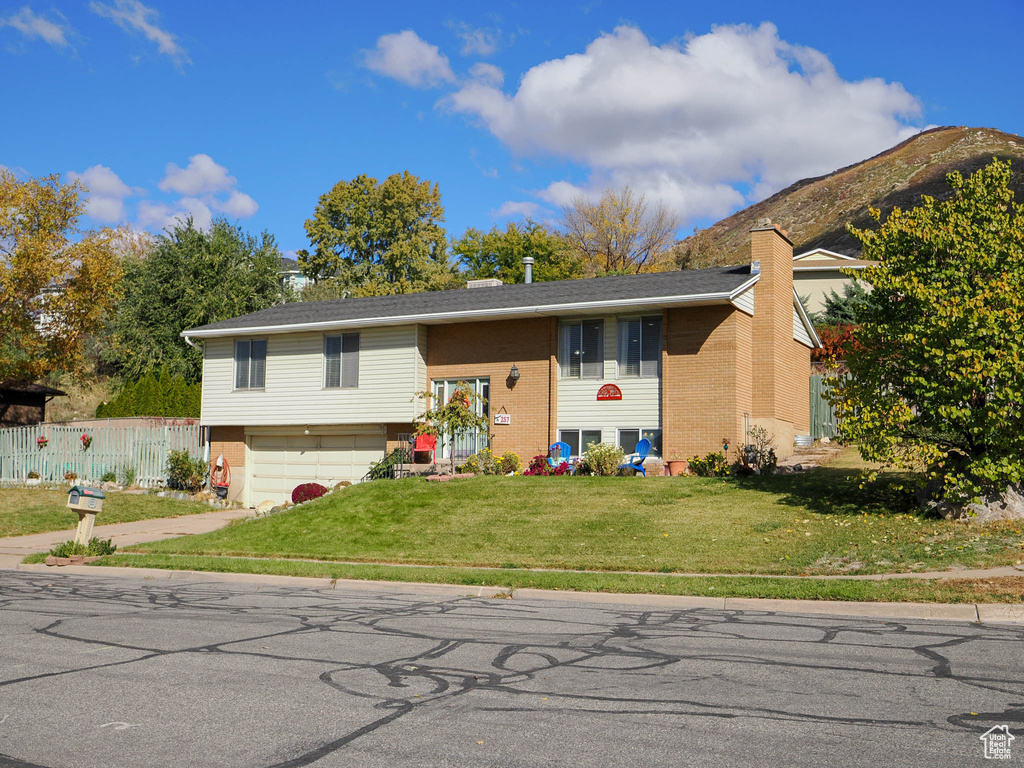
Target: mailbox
82, 499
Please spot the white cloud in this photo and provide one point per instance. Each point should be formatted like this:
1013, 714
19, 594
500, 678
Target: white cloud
693, 125
202, 175
238, 204
106, 193
160, 216
410, 59
516, 209
478, 41
487, 74
32, 26
133, 16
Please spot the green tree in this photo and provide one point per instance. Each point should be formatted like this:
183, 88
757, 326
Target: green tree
188, 277
56, 280
621, 233
500, 253
378, 239
842, 310
937, 368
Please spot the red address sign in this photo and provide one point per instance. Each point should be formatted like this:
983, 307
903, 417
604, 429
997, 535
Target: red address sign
609, 392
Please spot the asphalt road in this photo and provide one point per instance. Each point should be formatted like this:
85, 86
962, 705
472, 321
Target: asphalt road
122, 672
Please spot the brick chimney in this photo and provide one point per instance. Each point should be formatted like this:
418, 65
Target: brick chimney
775, 403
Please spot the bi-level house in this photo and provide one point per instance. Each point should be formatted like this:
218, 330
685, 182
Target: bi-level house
689, 359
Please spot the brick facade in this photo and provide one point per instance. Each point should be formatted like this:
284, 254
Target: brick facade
489, 349
230, 441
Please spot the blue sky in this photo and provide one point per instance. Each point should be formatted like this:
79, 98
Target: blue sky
252, 110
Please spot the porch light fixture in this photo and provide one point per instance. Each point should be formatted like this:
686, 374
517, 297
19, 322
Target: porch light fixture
514, 374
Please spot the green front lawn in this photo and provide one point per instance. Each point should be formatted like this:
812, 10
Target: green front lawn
821, 522
35, 510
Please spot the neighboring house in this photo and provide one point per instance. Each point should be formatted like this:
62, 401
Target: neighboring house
817, 273
23, 404
689, 359
291, 276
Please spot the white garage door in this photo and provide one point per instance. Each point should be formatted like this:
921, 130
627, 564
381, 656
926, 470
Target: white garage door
281, 462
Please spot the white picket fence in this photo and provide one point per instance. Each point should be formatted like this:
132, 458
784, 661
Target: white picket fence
112, 449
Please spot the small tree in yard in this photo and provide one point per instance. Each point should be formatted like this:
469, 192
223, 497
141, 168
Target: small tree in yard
453, 418
937, 364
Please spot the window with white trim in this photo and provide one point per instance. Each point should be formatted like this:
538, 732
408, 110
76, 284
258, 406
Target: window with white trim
639, 347
628, 438
581, 349
579, 440
250, 363
341, 361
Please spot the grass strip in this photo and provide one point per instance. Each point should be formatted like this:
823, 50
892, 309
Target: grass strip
1008, 589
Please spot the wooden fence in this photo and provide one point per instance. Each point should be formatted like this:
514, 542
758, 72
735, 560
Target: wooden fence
120, 450
823, 415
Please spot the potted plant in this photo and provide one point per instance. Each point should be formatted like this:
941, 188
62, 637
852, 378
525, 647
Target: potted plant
678, 466
41, 441
86, 441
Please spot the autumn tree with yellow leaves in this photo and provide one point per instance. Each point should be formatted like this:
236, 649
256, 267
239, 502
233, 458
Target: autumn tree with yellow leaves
621, 233
56, 280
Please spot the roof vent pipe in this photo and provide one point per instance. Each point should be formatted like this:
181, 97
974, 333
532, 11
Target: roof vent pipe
528, 266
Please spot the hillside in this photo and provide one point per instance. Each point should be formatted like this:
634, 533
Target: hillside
815, 211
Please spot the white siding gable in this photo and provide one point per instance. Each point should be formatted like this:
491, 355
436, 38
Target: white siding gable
390, 368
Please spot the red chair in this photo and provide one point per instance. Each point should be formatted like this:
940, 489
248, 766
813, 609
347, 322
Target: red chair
424, 444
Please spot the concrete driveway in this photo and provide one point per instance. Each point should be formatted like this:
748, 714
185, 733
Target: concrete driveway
125, 672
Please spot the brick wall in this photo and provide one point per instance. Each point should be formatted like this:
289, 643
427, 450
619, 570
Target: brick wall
230, 441
706, 381
489, 349
780, 364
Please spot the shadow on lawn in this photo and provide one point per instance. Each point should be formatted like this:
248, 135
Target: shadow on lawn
835, 491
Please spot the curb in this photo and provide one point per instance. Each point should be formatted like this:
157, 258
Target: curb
987, 613
305, 582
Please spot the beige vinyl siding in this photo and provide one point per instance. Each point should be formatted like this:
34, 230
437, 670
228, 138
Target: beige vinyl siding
800, 330
813, 287
294, 391
745, 301
640, 406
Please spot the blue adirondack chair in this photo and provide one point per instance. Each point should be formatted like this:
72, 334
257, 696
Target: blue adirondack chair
635, 461
559, 453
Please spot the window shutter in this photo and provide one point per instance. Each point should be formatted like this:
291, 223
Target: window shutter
350, 360
629, 347
332, 361
651, 352
258, 364
242, 364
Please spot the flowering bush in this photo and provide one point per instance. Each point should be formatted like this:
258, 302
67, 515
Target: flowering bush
307, 491
481, 463
509, 463
712, 465
86, 441
603, 459
539, 466
41, 441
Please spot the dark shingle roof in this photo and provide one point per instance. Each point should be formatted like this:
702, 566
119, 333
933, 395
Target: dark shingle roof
657, 285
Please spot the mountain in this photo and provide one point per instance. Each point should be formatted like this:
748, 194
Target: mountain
815, 211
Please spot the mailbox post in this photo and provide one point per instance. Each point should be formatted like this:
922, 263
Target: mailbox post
86, 502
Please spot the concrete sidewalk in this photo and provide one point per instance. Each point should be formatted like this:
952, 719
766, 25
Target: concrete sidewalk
14, 548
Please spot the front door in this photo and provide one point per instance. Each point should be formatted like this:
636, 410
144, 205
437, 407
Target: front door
467, 443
